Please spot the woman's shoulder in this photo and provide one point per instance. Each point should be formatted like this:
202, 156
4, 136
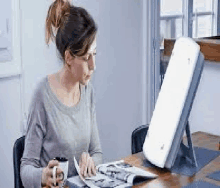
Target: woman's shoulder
40, 88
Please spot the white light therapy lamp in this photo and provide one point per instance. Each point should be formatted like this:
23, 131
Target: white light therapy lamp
173, 106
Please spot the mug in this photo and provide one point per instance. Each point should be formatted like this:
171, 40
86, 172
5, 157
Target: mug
63, 164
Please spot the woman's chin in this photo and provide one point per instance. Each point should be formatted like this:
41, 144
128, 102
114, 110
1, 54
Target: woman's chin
85, 81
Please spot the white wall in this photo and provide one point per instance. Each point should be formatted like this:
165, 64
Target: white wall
205, 110
10, 113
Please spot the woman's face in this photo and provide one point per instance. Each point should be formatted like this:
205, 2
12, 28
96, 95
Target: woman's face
83, 67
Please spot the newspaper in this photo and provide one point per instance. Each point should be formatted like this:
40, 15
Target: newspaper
116, 174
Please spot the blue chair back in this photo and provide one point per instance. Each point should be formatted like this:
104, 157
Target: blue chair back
138, 138
17, 155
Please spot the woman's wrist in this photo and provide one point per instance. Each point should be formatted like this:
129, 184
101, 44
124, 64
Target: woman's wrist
43, 181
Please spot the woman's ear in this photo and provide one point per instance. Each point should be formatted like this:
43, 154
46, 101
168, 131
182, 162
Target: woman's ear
68, 57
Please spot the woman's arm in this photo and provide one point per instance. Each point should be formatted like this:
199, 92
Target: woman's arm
31, 169
95, 150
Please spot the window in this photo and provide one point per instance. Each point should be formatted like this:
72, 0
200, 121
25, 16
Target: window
204, 18
192, 18
171, 18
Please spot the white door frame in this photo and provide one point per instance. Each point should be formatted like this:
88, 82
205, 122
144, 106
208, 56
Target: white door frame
151, 57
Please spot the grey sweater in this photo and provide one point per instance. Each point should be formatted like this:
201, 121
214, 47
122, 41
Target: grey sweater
56, 130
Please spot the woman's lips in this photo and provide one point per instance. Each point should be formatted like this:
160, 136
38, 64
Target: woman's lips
88, 76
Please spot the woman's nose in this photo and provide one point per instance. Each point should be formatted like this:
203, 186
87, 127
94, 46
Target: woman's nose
91, 64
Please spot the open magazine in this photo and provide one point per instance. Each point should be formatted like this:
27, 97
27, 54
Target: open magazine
116, 174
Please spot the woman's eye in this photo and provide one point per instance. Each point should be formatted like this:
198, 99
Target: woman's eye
87, 58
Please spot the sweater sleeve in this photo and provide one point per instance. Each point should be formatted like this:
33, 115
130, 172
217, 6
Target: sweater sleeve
31, 169
95, 150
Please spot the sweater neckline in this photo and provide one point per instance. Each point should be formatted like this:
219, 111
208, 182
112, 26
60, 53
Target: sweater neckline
57, 101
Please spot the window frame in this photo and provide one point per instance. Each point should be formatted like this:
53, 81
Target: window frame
188, 16
151, 58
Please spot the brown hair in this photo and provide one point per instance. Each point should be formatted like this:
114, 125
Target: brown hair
71, 27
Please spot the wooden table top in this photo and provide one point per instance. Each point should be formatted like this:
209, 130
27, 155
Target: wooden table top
166, 179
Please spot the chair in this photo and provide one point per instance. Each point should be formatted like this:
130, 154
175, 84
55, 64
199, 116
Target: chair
17, 155
138, 138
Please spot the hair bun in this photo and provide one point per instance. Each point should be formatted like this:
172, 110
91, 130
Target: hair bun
57, 14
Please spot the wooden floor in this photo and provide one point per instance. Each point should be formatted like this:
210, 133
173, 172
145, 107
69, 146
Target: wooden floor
167, 179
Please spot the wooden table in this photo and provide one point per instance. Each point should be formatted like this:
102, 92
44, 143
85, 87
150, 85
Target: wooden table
167, 179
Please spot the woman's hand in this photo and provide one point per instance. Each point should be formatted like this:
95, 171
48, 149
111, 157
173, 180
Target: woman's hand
47, 175
87, 165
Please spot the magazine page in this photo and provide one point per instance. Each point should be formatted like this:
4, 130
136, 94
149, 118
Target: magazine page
113, 171
123, 171
101, 180
75, 181
132, 169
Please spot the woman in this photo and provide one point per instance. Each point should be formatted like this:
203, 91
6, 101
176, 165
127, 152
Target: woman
62, 118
